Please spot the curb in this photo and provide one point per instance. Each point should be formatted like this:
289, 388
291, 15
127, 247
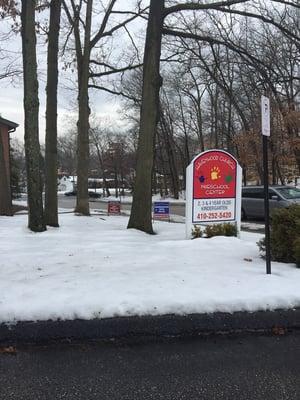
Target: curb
149, 326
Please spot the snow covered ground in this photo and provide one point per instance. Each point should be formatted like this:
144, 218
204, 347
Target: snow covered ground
94, 267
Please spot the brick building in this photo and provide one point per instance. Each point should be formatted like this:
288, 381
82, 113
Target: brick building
6, 127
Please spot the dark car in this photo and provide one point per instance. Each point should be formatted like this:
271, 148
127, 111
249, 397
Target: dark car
71, 193
279, 197
92, 195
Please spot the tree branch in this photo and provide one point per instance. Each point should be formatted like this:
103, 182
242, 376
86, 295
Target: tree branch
287, 32
237, 49
111, 91
197, 6
114, 70
99, 34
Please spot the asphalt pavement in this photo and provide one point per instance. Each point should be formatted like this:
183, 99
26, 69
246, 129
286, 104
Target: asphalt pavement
220, 367
68, 202
178, 209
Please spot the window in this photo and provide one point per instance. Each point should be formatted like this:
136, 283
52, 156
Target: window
273, 194
289, 192
255, 193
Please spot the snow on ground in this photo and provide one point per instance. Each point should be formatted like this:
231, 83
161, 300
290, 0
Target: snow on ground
20, 202
94, 267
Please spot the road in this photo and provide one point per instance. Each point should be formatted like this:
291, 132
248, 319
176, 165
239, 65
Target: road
176, 209
69, 202
227, 368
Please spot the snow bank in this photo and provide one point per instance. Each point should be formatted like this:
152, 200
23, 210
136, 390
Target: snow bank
94, 267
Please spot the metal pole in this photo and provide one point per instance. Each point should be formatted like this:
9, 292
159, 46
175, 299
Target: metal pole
267, 214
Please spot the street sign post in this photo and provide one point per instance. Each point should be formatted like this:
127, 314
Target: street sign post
265, 130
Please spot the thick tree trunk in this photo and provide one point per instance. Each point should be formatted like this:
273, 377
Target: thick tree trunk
5, 192
51, 212
36, 220
140, 217
83, 151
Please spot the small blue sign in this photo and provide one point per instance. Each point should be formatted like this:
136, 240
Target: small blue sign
161, 209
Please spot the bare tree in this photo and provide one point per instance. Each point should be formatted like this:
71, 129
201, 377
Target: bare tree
83, 49
97, 141
172, 22
140, 217
51, 208
10, 68
36, 220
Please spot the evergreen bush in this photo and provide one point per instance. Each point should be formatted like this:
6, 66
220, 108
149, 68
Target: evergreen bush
285, 229
284, 235
225, 229
196, 232
297, 251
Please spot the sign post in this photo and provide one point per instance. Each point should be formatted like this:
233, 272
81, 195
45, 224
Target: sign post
213, 190
265, 129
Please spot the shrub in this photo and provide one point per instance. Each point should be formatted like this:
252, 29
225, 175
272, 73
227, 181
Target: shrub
297, 251
225, 229
196, 232
284, 235
285, 228
262, 246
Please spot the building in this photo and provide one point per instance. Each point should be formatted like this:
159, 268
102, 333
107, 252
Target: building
6, 127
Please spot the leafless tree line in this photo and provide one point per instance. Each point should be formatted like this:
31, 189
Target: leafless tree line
196, 85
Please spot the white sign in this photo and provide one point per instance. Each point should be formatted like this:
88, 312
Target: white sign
213, 210
265, 116
213, 190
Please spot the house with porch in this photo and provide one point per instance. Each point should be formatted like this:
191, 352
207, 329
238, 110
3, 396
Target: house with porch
6, 127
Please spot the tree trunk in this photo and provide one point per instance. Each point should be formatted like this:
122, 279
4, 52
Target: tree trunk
83, 152
167, 138
116, 180
100, 159
297, 157
199, 125
51, 212
279, 173
140, 217
36, 220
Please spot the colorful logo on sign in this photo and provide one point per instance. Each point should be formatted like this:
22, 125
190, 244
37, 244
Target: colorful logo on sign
214, 176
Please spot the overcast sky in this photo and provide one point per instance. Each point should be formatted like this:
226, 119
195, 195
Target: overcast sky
11, 107
104, 106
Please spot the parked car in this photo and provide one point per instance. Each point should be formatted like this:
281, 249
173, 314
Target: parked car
71, 193
92, 194
279, 197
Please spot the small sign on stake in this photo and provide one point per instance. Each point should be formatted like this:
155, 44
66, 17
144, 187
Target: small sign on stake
161, 210
114, 208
